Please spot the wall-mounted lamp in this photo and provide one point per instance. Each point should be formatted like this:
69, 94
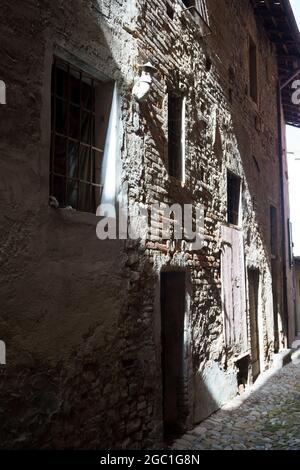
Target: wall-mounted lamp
143, 83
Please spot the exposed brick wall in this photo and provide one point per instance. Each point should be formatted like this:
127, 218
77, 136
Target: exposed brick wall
81, 317
239, 135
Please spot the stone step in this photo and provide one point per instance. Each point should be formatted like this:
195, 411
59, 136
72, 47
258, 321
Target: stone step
296, 343
282, 358
295, 357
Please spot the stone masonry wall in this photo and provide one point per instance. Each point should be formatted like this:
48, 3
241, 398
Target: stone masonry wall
77, 351
225, 130
80, 317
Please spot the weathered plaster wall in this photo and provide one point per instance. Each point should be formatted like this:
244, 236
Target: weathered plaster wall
81, 318
77, 354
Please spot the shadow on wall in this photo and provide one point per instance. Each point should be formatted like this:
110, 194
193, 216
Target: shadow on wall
77, 346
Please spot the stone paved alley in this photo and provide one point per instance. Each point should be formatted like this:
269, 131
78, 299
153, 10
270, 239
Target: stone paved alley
265, 418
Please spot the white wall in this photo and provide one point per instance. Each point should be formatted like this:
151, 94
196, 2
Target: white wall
296, 8
293, 145
293, 148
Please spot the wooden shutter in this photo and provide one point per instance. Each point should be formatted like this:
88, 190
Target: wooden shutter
233, 288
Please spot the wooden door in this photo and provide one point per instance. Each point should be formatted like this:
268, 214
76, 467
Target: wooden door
234, 289
253, 280
172, 336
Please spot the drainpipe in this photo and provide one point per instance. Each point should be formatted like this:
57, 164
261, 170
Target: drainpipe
283, 214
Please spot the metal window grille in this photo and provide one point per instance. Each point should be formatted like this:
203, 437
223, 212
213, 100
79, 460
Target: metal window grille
75, 161
202, 9
199, 6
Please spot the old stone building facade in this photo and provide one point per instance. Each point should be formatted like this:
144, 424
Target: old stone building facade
123, 343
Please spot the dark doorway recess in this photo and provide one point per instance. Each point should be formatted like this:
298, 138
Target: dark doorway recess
243, 372
172, 337
253, 279
275, 303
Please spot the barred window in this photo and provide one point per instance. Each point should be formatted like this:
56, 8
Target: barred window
198, 7
78, 126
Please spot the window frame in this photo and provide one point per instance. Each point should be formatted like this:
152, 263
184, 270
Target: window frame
199, 7
290, 243
253, 70
176, 164
65, 99
273, 231
236, 222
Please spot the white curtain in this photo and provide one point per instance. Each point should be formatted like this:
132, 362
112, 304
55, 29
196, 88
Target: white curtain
110, 165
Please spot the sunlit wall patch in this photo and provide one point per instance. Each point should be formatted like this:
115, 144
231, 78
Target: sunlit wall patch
2, 92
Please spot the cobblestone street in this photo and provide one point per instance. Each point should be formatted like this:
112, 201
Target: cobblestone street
265, 418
